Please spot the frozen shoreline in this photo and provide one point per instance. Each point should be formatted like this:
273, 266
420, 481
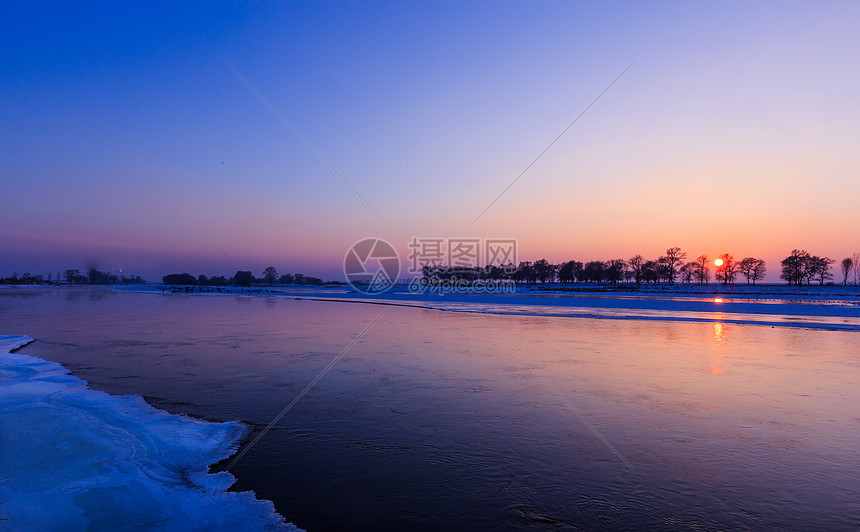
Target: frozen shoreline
76, 458
828, 307
656, 388
825, 307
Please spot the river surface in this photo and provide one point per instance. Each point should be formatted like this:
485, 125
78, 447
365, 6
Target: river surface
435, 420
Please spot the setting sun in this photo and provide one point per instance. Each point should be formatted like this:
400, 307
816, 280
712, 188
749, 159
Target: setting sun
718, 262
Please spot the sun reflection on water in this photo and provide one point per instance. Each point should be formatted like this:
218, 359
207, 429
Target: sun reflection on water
718, 359
718, 331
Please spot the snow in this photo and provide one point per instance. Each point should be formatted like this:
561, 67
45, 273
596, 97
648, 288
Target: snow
73, 458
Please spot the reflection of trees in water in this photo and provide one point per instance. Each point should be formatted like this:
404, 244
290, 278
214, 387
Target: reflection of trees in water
67, 293
73, 294
22, 293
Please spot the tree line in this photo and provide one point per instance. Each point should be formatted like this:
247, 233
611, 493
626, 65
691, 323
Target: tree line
73, 276
798, 268
242, 278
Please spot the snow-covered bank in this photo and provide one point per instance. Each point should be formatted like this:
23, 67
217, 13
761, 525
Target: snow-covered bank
72, 458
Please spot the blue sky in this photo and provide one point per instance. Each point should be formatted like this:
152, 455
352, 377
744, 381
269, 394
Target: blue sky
129, 143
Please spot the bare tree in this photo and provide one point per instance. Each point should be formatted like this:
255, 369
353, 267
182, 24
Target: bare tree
595, 271
796, 267
662, 269
545, 271
759, 269
703, 269
672, 260
856, 259
568, 270
687, 272
635, 263
753, 269
651, 272
615, 270
525, 273
728, 270
820, 269
847, 265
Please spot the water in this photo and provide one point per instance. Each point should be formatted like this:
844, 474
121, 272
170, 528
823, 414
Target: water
432, 421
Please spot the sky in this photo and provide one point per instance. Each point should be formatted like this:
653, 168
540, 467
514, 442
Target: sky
129, 143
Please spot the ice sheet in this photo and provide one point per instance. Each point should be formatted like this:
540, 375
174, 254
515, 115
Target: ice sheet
72, 458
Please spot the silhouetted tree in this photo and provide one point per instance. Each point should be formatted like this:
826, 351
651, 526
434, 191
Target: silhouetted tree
28, 278
595, 271
243, 278
635, 263
286, 279
201, 279
753, 269
651, 271
97, 277
687, 271
502, 271
820, 269
25, 278
578, 267
489, 271
615, 270
524, 273
856, 258
568, 271
664, 270
544, 270
671, 260
179, 278
703, 269
270, 275
759, 270
796, 267
75, 277
847, 265
728, 270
